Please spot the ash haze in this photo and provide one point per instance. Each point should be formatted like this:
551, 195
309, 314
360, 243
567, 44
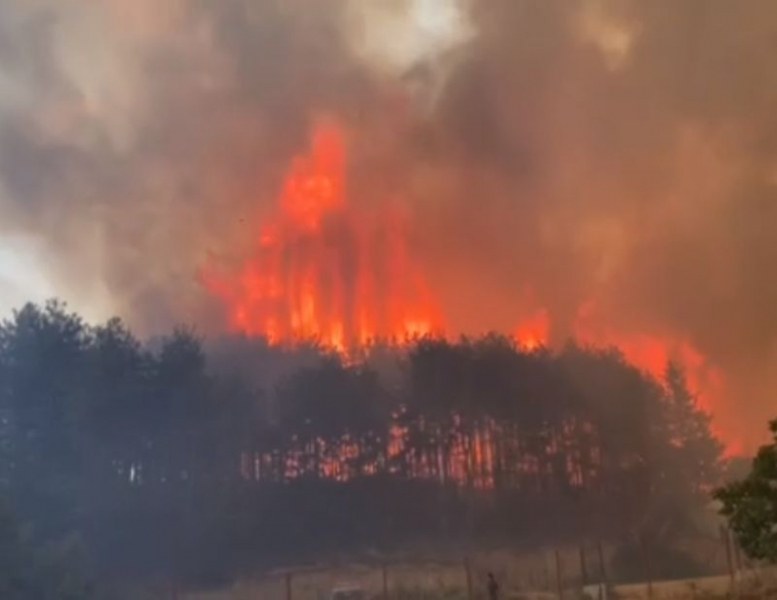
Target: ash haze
553, 154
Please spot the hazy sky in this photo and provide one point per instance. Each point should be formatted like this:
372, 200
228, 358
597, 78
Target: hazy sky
21, 275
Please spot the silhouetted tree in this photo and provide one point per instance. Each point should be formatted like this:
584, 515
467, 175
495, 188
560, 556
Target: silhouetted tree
750, 505
169, 462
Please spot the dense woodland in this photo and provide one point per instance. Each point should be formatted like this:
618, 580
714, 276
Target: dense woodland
174, 459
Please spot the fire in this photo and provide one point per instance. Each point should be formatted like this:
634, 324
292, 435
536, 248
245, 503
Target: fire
324, 271
651, 352
532, 333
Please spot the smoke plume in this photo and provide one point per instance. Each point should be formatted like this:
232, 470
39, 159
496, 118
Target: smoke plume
617, 158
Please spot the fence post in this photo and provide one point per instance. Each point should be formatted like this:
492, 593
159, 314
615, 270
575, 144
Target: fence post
602, 567
385, 582
727, 545
737, 554
288, 586
559, 587
468, 572
647, 566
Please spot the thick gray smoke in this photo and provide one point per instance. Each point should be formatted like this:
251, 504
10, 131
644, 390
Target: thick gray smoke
557, 154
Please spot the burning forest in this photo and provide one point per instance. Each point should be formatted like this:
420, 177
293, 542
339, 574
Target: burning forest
349, 171
394, 269
322, 272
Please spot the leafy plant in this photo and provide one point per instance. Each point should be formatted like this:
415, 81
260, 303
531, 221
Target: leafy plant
751, 504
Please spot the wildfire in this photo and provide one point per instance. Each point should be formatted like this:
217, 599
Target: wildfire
533, 332
323, 270
651, 352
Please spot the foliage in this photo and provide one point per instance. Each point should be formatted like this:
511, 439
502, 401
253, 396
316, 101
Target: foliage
751, 504
14, 566
171, 465
55, 570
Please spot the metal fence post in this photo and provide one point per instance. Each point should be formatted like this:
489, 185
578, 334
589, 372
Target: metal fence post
602, 567
737, 553
288, 586
468, 572
647, 566
724, 537
559, 587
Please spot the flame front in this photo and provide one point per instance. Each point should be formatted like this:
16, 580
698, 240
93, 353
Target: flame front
322, 270
651, 352
325, 271
648, 351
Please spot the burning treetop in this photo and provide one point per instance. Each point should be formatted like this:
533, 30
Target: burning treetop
323, 270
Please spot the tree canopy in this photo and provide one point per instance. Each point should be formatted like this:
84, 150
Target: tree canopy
191, 461
751, 504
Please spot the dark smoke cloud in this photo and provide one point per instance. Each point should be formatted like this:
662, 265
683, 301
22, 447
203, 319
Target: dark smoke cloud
148, 137
620, 152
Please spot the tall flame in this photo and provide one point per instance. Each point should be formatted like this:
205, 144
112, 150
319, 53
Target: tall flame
325, 271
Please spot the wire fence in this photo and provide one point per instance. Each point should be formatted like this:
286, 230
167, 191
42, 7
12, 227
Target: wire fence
567, 572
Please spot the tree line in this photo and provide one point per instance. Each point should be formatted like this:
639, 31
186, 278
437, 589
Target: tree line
175, 459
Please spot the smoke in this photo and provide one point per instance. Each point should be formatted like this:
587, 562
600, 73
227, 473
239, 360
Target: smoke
620, 155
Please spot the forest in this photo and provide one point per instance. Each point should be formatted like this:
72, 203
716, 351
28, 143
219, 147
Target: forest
199, 461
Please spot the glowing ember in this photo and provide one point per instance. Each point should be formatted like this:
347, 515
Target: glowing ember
324, 271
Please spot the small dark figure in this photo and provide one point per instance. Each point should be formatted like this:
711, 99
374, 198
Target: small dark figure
493, 588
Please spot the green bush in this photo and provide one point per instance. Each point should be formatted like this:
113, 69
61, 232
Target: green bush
751, 504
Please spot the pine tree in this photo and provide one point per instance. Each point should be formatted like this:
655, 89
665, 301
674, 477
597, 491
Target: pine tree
697, 453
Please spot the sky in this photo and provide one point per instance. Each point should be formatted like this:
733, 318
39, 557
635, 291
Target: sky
21, 275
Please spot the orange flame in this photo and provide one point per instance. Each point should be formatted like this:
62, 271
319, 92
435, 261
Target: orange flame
652, 352
649, 352
324, 271
533, 332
